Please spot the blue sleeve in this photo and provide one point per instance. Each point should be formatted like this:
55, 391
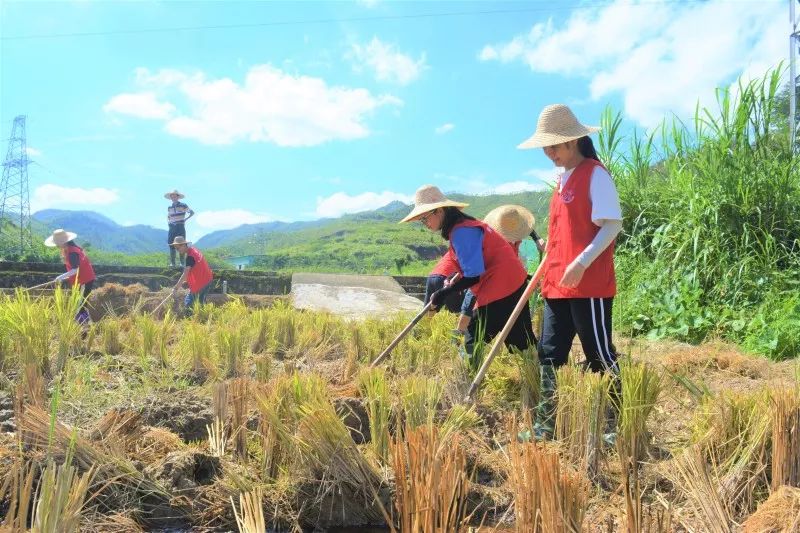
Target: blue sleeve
468, 244
74, 260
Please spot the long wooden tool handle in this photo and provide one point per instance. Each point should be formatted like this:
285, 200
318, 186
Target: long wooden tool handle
501, 337
41, 285
162, 303
384, 354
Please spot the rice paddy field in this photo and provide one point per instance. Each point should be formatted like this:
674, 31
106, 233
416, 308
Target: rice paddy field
256, 419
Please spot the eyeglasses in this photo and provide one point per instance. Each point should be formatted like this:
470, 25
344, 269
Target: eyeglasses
424, 218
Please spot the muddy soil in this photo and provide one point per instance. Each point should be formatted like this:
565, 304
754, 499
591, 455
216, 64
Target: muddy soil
186, 413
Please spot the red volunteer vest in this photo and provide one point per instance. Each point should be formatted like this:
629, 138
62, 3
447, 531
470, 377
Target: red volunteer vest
570, 232
85, 270
504, 272
447, 265
200, 274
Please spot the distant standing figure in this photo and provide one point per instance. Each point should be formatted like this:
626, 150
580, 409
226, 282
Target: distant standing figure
177, 215
79, 268
197, 274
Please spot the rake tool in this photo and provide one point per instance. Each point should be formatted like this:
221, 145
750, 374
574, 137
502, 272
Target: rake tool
170, 295
384, 354
501, 337
41, 285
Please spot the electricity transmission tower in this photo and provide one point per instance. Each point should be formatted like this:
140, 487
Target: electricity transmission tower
794, 41
15, 210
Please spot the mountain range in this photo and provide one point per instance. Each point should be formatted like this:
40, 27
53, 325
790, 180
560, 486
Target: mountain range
369, 241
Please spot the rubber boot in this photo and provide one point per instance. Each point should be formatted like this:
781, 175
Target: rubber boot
612, 411
544, 425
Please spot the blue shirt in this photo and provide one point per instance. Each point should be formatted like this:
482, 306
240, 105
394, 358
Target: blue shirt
468, 245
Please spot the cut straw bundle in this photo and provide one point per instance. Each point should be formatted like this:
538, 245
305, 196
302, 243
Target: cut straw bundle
250, 514
60, 499
547, 497
786, 438
373, 388
431, 482
239, 402
121, 483
733, 431
419, 397
702, 489
640, 386
581, 414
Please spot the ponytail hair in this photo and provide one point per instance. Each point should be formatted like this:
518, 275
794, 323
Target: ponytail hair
586, 148
450, 217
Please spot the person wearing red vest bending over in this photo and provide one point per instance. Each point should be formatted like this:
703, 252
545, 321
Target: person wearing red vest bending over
197, 274
79, 268
515, 224
487, 263
579, 282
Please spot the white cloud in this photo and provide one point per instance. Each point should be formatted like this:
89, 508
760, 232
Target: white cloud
142, 105
32, 152
444, 128
269, 106
387, 64
659, 57
517, 186
479, 185
229, 218
547, 175
340, 203
50, 195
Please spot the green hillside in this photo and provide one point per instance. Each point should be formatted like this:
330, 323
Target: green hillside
369, 242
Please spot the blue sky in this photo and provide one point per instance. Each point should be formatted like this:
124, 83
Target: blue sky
333, 107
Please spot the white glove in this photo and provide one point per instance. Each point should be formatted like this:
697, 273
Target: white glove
61, 277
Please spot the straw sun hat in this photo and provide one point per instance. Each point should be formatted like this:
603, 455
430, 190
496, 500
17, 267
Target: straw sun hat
427, 198
557, 124
513, 222
59, 238
180, 240
175, 191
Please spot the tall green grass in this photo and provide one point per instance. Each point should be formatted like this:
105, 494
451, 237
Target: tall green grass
711, 223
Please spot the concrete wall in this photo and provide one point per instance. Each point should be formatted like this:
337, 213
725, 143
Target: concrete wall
14, 274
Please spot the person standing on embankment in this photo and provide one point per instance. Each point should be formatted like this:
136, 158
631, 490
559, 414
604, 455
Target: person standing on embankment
177, 215
487, 263
79, 268
579, 283
197, 274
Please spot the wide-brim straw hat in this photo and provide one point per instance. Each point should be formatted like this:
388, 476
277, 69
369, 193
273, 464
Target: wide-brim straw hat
180, 240
557, 124
513, 222
59, 238
427, 198
175, 191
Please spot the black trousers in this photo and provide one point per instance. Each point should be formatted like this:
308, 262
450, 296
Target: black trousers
175, 230
590, 318
493, 317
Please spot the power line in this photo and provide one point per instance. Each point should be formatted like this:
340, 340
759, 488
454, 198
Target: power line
376, 18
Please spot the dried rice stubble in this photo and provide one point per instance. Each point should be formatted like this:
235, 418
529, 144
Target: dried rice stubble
119, 485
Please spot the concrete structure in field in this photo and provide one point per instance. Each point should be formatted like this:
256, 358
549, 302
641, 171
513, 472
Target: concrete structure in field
352, 296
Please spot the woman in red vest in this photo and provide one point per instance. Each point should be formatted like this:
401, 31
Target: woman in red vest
579, 284
487, 263
197, 274
79, 268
